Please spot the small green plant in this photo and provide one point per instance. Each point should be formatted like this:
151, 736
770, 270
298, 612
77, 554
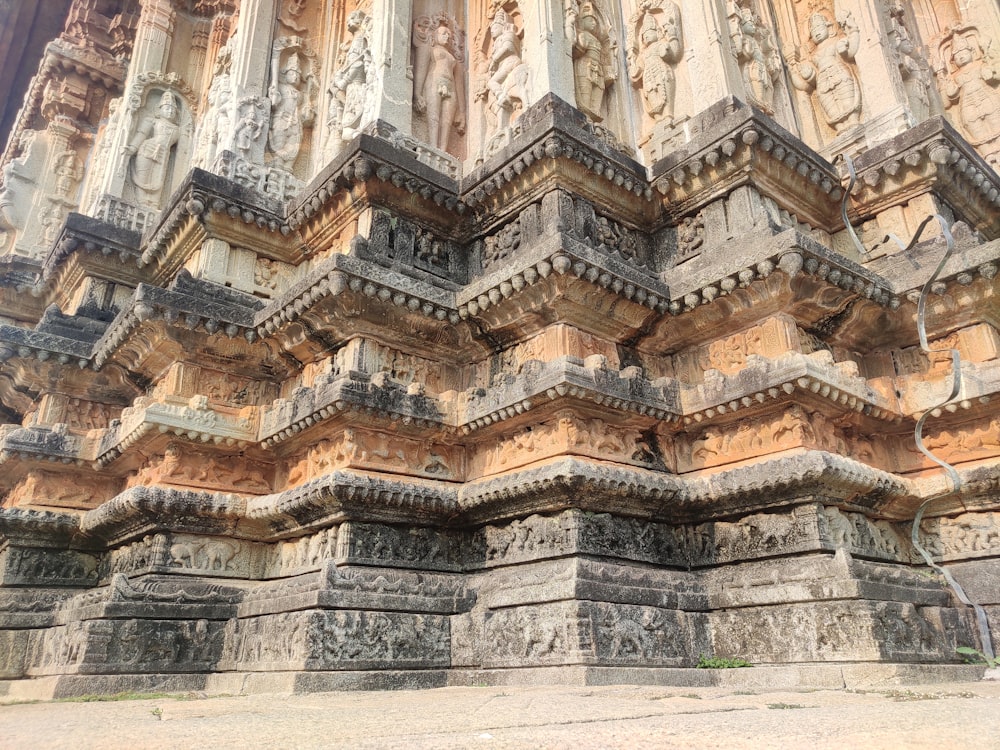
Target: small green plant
717, 662
784, 705
974, 656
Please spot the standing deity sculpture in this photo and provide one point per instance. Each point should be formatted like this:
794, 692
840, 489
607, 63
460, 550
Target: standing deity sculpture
218, 120
150, 148
350, 91
830, 74
594, 64
68, 171
970, 80
438, 84
912, 68
758, 58
653, 53
506, 89
291, 109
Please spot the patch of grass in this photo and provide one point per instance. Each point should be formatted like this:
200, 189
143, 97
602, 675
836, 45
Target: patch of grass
784, 705
157, 712
691, 695
975, 656
718, 662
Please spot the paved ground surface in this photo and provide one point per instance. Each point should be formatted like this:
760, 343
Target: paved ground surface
941, 716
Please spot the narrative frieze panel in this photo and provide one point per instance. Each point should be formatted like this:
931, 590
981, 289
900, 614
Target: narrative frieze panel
67, 489
569, 434
755, 536
716, 445
840, 631
343, 639
770, 338
186, 553
186, 380
967, 536
77, 414
420, 548
47, 567
183, 466
379, 451
126, 646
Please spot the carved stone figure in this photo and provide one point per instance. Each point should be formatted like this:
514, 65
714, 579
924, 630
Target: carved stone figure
350, 92
758, 58
970, 79
290, 109
594, 66
830, 75
653, 54
506, 89
438, 84
912, 68
218, 120
248, 126
150, 150
68, 172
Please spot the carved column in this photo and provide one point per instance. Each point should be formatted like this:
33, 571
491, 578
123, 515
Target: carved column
152, 46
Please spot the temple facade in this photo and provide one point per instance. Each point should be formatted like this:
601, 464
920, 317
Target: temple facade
379, 343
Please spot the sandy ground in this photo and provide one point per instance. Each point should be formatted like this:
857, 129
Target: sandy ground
941, 716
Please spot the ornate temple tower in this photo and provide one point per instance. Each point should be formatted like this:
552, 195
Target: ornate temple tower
426, 342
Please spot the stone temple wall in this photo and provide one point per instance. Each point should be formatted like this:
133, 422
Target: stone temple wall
401, 342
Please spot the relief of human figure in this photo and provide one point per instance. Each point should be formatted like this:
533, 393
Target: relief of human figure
291, 109
970, 80
350, 91
439, 86
594, 66
831, 73
655, 52
507, 85
759, 61
150, 150
216, 126
912, 68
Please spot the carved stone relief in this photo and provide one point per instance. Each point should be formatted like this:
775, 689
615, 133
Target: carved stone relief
439, 73
913, 68
595, 56
351, 90
363, 449
42, 567
504, 77
655, 46
49, 489
337, 640
292, 109
829, 73
191, 468
150, 149
756, 53
568, 435
968, 73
